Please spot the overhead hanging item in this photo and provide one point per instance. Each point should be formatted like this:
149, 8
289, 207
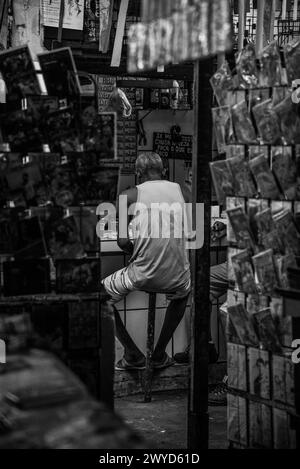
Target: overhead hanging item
295, 10
187, 33
117, 52
105, 22
284, 9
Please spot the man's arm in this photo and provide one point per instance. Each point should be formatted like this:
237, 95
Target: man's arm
124, 242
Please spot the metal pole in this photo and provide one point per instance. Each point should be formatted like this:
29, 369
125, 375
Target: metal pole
242, 21
198, 392
260, 26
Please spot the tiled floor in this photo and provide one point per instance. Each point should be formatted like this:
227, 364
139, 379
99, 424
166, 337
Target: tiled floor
163, 422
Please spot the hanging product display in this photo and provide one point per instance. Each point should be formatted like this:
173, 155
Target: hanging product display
186, 33
260, 176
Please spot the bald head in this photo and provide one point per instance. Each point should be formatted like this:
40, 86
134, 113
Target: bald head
149, 166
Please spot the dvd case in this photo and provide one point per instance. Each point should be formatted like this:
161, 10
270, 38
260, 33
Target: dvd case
244, 272
242, 124
265, 271
268, 236
284, 167
240, 225
243, 182
223, 180
243, 324
287, 233
264, 177
267, 331
267, 122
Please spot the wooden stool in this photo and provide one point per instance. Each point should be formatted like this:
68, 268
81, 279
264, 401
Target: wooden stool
150, 347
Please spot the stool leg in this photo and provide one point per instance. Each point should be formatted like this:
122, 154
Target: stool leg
150, 348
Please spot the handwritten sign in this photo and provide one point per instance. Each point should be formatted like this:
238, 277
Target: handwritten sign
164, 145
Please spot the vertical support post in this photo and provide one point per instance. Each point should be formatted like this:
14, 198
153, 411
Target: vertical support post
242, 21
272, 20
198, 392
117, 50
295, 10
260, 26
61, 20
150, 348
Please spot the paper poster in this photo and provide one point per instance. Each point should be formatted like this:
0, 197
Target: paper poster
73, 15
26, 28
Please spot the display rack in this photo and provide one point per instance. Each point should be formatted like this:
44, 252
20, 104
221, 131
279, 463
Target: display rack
264, 398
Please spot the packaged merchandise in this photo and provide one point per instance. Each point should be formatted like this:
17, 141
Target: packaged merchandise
222, 122
284, 167
221, 83
254, 206
264, 178
266, 122
243, 182
246, 67
243, 324
242, 124
240, 225
244, 272
270, 66
292, 60
282, 264
287, 233
265, 271
289, 120
268, 236
233, 202
223, 180
257, 150
267, 331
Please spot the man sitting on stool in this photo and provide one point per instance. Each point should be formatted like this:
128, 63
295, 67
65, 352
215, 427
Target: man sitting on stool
159, 261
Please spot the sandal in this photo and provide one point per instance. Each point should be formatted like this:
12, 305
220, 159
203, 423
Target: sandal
165, 363
124, 365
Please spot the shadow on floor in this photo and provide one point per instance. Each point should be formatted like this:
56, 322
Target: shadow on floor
163, 422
